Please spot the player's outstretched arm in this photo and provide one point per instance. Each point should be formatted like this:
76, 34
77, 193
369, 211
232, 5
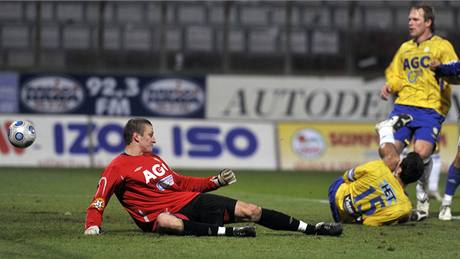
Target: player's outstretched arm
224, 177
445, 70
449, 72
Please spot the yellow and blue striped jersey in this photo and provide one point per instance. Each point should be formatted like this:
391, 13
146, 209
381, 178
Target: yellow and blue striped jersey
412, 80
372, 195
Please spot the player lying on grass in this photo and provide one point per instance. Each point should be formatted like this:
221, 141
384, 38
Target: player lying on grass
373, 193
162, 200
452, 71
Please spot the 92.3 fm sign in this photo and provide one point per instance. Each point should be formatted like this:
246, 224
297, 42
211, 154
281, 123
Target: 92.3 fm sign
191, 144
113, 95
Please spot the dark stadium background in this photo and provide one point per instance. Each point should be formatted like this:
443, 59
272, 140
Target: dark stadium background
86, 42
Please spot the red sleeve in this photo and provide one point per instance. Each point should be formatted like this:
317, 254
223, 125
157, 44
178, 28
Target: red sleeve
194, 184
105, 188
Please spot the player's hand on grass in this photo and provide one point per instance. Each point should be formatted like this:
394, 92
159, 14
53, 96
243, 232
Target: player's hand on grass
385, 92
93, 231
225, 177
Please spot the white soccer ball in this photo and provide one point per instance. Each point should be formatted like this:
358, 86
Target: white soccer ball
21, 133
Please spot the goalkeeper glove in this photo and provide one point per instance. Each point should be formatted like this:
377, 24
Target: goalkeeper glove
225, 177
93, 231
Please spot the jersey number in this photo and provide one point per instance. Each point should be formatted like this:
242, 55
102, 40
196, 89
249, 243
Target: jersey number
373, 202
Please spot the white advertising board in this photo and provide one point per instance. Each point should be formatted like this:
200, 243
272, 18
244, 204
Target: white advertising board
279, 98
48, 148
199, 143
295, 98
64, 141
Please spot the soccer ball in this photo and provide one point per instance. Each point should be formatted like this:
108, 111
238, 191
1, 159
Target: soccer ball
21, 133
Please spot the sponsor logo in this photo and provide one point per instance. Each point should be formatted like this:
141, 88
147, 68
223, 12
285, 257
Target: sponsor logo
73, 138
165, 183
389, 193
211, 142
308, 143
98, 204
347, 139
416, 62
52, 94
173, 97
193, 142
349, 207
158, 170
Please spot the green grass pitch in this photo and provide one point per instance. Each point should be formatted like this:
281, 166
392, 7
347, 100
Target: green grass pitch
42, 213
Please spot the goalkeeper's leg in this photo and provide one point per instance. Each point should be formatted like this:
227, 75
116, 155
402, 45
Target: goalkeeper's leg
167, 223
279, 221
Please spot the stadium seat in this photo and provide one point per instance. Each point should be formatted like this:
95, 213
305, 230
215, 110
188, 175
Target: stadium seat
70, 12
316, 17
15, 36
325, 42
257, 15
445, 18
112, 38
136, 38
20, 58
191, 14
174, 39
50, 37
378, 18
129, 13
299, 42
199, 38
153, 13
76, 37
11, 11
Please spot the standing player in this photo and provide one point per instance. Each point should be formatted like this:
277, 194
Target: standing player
419, 93
373, 193
452, 182
452, 71
161, 200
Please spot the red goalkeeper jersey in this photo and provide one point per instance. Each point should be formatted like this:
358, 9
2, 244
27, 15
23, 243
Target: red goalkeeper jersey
146, 187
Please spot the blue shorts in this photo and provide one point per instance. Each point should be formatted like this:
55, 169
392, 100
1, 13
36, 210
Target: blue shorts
425, 126
332, 191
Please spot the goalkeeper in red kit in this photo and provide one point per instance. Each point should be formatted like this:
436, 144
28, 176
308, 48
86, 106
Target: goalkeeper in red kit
164, 201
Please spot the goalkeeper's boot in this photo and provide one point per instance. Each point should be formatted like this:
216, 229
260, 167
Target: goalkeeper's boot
328, 229
246, 231
396, 122
445, 213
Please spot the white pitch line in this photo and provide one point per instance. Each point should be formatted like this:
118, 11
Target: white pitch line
42, 195
270, 196
284, 198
